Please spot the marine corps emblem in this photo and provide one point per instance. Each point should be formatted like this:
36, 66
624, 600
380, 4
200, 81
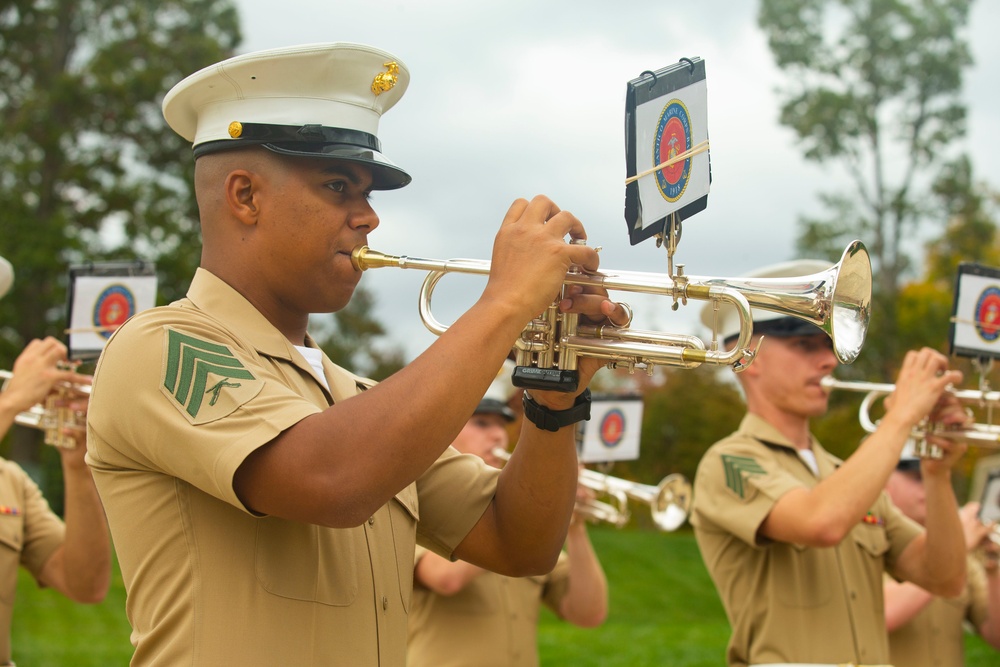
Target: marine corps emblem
112, 307
673, 137
988, 314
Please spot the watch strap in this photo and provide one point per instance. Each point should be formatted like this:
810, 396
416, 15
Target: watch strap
553, 420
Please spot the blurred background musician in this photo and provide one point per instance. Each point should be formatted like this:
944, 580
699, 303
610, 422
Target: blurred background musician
927, 630
796, 540
461, 614
72, 557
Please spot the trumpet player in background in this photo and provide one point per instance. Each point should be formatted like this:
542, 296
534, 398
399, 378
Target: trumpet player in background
72, 557
796, 540
926, 629
464, 615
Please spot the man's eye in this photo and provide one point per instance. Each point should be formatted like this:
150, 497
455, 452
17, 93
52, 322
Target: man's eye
337, 186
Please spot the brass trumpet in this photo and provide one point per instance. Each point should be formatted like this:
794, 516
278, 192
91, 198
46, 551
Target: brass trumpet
978, 434
52, 418
837, 300
668, 502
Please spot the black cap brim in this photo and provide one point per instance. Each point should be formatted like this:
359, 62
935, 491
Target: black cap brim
385, 175
491, 406
783, 327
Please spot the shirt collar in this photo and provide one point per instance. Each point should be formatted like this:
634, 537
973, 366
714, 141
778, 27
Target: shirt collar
213, 295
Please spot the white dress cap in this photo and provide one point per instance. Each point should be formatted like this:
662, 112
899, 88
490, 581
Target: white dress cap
312, 100
729, 319
6, 276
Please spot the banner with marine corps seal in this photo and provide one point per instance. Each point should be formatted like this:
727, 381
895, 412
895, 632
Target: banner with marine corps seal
204, 380
975, 316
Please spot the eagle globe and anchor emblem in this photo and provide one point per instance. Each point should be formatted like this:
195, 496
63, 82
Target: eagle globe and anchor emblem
673, 137
113, 306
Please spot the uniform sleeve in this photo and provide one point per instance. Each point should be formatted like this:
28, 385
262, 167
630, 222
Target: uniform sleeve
185, 399
43, 530
979, 606
736, 486
900, 530
418, 553
454, 492
557, 584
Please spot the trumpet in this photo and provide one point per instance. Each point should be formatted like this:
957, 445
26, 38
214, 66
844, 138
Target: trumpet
837, 300
668, 502
50, 417
980, 434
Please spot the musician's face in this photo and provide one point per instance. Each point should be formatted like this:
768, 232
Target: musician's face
318, 210
906, 489
481, 435
791, 372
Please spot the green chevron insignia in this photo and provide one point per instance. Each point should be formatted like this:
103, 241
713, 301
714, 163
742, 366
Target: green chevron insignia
189, 363
738, 466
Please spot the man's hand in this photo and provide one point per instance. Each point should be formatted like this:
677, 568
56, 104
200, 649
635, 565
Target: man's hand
36, 374
922, 379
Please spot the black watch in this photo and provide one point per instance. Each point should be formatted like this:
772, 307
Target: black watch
553, 420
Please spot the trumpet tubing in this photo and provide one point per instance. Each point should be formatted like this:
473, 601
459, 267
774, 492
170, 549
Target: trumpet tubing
50, 417
979, 434
838, 301
668, 502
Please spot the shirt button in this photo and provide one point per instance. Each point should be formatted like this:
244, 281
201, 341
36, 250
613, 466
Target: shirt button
385, 602
371, 521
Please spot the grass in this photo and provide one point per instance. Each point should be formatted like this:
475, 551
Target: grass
664, 611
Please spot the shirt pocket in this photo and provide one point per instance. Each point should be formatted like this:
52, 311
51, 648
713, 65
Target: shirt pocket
802, 575
871, 540
404, 513
308, 562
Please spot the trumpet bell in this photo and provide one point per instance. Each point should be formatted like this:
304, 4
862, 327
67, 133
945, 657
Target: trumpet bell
672, 502
837, 300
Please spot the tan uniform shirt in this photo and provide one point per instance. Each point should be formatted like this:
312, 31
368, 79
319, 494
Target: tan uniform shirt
491, 622
182, 394
787, 602
29, 534
935, 637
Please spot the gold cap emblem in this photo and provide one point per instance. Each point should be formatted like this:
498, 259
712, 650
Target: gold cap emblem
385, 80
235, 129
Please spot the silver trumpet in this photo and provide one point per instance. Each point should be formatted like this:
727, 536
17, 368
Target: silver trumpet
668, 502
982, 434
50, 417
837, 300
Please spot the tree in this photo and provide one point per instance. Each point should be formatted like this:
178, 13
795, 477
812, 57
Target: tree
874, 86
90, 169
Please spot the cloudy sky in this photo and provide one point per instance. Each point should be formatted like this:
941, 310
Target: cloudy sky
516, 98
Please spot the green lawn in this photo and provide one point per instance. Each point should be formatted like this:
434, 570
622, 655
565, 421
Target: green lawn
664, 611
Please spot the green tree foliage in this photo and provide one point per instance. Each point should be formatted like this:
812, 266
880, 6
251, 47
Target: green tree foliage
91, 171
873, 86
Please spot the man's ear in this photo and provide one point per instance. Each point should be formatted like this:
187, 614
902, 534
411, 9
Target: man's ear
241, 196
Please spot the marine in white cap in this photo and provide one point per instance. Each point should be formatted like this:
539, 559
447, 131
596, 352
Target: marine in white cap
265, 504
795, 539
925, 629
462, 614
